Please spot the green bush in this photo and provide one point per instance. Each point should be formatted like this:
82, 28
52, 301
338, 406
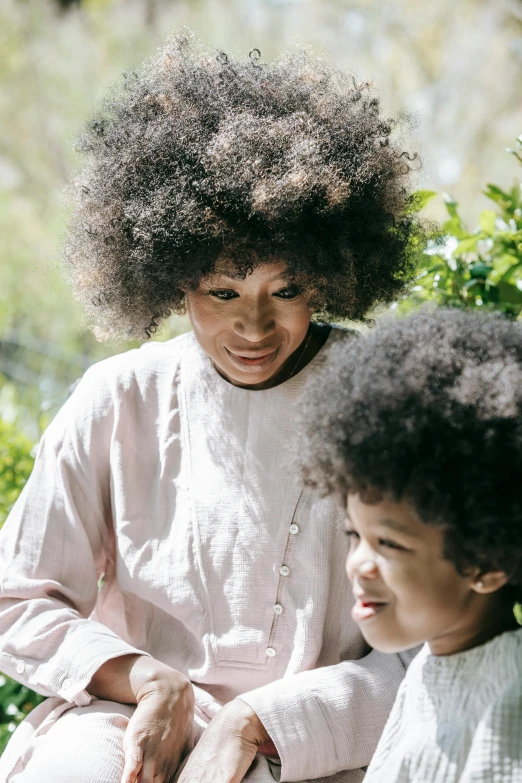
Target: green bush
16, 463
475, 269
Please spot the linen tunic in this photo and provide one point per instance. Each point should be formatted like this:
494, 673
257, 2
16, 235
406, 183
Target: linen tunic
456, 718
175, 487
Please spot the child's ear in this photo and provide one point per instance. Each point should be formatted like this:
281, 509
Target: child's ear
489, 582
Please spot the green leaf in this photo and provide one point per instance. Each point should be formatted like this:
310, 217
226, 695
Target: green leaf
509, 293
472, 283
437, 267
496, 194
467, 245
454, 228
451, 206
509, 271
487, 221
418, 200
480, 271
516, 195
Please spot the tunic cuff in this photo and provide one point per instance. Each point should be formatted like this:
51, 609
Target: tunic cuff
68, 673
294, 719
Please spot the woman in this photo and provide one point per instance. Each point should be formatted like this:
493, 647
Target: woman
255, 197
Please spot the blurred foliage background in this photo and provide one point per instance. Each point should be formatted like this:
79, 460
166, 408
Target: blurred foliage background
454, 64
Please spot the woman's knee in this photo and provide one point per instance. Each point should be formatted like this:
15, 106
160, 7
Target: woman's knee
85, 745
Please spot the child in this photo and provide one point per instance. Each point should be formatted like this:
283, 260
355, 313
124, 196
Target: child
419, 428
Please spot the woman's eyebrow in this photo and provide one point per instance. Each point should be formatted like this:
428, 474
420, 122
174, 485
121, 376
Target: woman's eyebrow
239, 277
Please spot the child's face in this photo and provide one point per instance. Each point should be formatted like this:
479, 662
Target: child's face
406, 591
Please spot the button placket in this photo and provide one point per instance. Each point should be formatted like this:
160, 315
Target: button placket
278, 609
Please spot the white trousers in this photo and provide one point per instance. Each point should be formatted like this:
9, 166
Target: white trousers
60, 743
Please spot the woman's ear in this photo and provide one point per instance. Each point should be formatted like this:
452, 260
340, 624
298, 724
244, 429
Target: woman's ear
489, 582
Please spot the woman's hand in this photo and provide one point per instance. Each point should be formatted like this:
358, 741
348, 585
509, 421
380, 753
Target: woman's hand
159, 734
227, 747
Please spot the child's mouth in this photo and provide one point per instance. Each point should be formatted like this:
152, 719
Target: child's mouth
364, 610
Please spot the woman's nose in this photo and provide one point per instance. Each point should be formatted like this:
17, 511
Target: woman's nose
255, 322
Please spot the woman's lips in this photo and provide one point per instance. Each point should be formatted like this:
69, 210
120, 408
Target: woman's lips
259, 360
364, 610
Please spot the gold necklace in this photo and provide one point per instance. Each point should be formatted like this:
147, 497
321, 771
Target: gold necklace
307, 342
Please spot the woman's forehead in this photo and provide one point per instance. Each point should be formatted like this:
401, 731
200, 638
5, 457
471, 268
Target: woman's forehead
262, 273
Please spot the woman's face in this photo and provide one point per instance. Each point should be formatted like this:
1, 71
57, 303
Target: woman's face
406, 592
249, 327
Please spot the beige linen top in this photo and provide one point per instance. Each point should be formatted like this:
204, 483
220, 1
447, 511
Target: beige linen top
173, 484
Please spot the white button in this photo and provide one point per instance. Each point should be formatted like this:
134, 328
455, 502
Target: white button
270, 652
20, 667
278, 609
66, 684
284, 570
294, 529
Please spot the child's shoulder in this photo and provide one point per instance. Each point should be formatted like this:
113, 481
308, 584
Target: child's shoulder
496, 753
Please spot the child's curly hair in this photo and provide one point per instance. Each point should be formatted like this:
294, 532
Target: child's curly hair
201, 157
428, 409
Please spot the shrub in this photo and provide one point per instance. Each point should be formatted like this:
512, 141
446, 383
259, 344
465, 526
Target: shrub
16, 463
477, 269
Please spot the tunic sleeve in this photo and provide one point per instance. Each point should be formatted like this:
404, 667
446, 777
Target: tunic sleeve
52, 552
330, 719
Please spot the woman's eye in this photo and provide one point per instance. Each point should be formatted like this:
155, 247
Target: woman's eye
224, 294
290, 292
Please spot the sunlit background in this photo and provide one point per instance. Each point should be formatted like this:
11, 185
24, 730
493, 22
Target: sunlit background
455, 64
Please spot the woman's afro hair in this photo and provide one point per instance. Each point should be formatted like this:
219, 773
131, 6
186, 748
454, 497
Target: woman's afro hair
428, 409
199, 158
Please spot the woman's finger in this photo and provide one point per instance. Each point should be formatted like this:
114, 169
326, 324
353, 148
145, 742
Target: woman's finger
148, 770
133, 763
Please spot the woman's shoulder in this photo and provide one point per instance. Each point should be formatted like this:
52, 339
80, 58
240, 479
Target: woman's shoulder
149, 361
140, 375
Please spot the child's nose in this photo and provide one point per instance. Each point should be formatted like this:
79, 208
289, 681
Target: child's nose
361, 563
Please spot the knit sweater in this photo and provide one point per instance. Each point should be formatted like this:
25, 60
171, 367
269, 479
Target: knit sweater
456, 718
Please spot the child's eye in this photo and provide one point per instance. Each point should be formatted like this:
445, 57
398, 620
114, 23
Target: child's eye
225, 294
290, 292
353, 535
392, 545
